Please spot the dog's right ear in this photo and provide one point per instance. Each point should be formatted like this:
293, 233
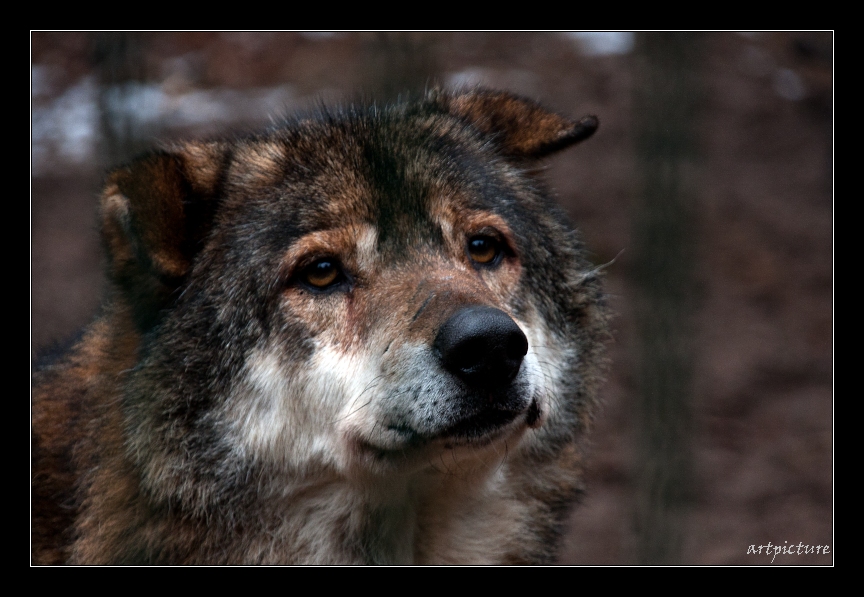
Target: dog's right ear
155, 212
520, 127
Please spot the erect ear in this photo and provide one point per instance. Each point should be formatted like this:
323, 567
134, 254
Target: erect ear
522, 127
155, 212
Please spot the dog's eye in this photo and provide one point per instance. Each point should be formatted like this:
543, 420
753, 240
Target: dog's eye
322, 274
484, 250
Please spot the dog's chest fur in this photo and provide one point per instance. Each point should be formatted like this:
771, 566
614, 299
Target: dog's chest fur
365, 336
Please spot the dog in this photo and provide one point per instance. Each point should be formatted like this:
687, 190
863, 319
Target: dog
364, 336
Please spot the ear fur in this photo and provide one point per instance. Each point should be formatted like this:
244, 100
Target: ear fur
154, 213
523, 128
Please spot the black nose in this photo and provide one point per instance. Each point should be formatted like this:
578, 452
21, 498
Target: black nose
482, 346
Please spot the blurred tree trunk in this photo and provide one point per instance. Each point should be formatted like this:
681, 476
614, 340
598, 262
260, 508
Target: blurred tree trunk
397, 63
664, 108
118, 60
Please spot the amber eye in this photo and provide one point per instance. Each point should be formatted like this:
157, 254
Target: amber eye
484, 249
322, 274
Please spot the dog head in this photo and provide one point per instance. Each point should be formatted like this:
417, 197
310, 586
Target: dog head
358, 292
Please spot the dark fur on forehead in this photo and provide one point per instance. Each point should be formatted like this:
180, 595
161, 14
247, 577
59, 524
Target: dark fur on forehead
446, 140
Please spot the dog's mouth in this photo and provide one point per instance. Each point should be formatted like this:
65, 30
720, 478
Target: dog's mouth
479, 425
476, 429
489, 424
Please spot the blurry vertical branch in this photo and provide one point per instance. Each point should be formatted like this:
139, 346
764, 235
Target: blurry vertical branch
399, 62
664, 109
118, 59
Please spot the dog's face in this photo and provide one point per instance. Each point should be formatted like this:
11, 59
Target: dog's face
357, 293
417, 321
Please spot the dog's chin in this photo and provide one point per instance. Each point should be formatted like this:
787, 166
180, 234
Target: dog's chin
405, 446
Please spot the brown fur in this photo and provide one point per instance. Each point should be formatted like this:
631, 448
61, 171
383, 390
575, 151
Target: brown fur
224, 409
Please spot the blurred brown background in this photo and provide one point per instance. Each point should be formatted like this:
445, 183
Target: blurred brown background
710, 179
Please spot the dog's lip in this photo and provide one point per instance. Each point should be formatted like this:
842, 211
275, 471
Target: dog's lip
478, 425
477, 429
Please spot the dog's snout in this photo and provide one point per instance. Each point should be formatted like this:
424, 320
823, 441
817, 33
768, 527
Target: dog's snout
482, 346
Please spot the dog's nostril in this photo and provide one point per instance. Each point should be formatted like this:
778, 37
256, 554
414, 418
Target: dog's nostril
482, 345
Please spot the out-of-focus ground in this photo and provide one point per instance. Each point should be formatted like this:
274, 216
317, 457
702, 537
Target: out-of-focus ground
760, 428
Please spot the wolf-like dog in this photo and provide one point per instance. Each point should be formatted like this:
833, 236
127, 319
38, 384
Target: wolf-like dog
364, 336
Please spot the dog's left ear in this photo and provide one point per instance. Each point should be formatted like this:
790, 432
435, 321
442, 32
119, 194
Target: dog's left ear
156, 212
522, 128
